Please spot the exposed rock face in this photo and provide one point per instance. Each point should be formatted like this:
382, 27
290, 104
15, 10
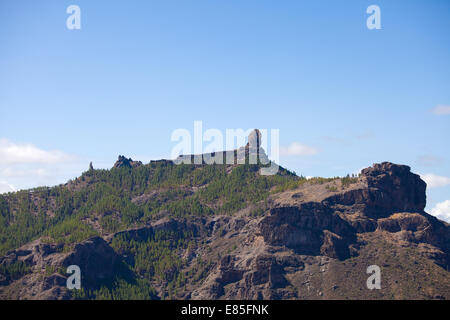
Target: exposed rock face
163, 162
309, 229
97, 260
254, 139
304, 241
251, 153
177, 226
47, 263
389, 188
420, 228
123, 162
394, 188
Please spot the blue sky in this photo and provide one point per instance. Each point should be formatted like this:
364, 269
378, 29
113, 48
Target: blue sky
138, 70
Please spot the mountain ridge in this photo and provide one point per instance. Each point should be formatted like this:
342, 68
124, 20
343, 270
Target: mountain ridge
198, 231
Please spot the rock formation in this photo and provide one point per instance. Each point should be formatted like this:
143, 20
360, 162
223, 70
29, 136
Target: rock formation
123, 162
252, 153
47, 263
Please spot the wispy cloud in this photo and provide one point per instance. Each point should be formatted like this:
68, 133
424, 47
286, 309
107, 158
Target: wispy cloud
13, 153
332, 139
19, 171
441, 110
435, 181
366, 135
24, 165
429, 160
298, 149
442, 210
5, 187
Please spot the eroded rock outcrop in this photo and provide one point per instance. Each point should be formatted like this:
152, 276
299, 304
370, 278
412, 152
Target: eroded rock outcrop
310, 229
123, 162
394, 188
252, 153
98, 262
47, 263
388, 188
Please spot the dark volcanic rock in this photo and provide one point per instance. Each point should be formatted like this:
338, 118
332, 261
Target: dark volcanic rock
228, 273
334, 246
390, 188
303, 229
252, 153
268, 270
420, 228
97, 260
394, 188
123, 162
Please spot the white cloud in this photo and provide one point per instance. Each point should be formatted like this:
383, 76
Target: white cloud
366, 135
441, 110
442, 210
23, 172
6, 187
332, 139
298, 149
435, 181
429, 160
12, 153
24, 166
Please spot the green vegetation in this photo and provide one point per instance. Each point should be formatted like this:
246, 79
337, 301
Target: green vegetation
14, 270
348, 180
156, 256
69, 231
50, 269
108, 201
153, 259
66, 213
118, 290
332, 188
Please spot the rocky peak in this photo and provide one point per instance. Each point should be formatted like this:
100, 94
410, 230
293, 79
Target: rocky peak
390, 168
399, 188
254, 139
126, 162
253, 150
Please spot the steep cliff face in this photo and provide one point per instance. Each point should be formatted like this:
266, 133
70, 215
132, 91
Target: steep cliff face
386, 188
394, 188
46, 264
314, 241
328, 225
302, 248
309, 229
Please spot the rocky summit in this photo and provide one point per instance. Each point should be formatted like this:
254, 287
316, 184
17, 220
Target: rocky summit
126, 162
179, 231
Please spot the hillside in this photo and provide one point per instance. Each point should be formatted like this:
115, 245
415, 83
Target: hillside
179, 231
